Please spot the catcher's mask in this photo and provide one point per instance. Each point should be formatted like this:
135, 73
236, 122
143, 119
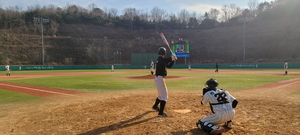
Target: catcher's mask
212, 83
161, 51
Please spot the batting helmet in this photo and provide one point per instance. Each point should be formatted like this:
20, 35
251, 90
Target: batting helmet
161, 51
212, 83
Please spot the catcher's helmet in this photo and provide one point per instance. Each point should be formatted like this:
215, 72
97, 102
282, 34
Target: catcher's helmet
161, 51
212, 83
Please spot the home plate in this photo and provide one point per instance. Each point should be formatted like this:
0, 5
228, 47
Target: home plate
183, 111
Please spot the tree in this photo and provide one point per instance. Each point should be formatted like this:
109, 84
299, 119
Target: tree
144, 15
206, 15
253, 5
193, 23
91, 7
112, 12
183, 16
157, 14
97, 12
130, 13
264, 6
1, 59
229, 12
209, 24
214, 14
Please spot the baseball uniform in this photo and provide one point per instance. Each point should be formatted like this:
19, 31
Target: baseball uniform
286, 68
159, 81
222, 105
151, 67
7, 70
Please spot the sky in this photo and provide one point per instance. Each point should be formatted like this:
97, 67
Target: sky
170, 6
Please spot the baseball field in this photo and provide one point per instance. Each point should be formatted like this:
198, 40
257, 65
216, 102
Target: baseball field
92, 102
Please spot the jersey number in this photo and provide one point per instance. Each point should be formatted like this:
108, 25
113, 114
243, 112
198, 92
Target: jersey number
221, 97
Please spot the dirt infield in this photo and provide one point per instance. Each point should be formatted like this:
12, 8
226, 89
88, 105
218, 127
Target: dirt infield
38, 91
264, 110
151, 77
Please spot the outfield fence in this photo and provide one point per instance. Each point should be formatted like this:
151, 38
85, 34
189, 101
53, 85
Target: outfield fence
202, 66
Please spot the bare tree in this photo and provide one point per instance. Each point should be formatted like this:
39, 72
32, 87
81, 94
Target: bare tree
130, 13
113, 12
229, 12
144, 15
264, 6
253, 7
235, 11
157, 14
91, 7
51, 9
194, 15
97, 12
225, 13
214, 14
183, 16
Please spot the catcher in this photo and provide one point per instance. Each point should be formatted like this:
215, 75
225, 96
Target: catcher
222, 105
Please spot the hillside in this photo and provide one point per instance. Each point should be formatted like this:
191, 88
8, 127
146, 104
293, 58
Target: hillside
272, 36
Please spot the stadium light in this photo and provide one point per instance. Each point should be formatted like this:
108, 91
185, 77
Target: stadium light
41, 21
244, 19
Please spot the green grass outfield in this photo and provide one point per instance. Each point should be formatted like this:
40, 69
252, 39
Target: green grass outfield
119, 82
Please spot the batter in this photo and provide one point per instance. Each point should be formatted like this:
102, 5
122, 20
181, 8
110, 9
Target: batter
159, 81
222, 105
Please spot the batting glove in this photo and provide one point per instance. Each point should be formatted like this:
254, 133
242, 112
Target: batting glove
174, 57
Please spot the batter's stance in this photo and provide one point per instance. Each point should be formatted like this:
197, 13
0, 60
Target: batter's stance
159, 81
222, 105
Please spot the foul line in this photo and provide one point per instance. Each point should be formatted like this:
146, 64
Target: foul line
38, 90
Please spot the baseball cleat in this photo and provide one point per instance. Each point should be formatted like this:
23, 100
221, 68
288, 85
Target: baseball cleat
229, 124
218, 131
163, 115
155, 108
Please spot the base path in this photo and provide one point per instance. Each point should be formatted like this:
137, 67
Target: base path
38, 91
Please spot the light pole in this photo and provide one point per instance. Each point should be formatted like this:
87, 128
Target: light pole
120, 57
41, 21
244, 19
244, 39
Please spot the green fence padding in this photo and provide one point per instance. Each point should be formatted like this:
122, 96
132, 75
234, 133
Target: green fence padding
147, 66
143, 58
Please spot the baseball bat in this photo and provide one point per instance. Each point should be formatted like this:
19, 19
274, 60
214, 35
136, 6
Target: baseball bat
165, 40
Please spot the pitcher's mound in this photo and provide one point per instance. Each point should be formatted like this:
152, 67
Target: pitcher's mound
151, 77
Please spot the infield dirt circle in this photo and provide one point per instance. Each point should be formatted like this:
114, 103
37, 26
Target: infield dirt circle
264, 110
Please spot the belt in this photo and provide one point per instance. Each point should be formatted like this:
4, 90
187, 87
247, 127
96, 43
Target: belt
219, 103
160, 75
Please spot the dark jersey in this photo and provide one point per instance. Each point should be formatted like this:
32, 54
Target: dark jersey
161, 65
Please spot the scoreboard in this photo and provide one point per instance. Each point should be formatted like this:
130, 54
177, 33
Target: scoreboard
181, 47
